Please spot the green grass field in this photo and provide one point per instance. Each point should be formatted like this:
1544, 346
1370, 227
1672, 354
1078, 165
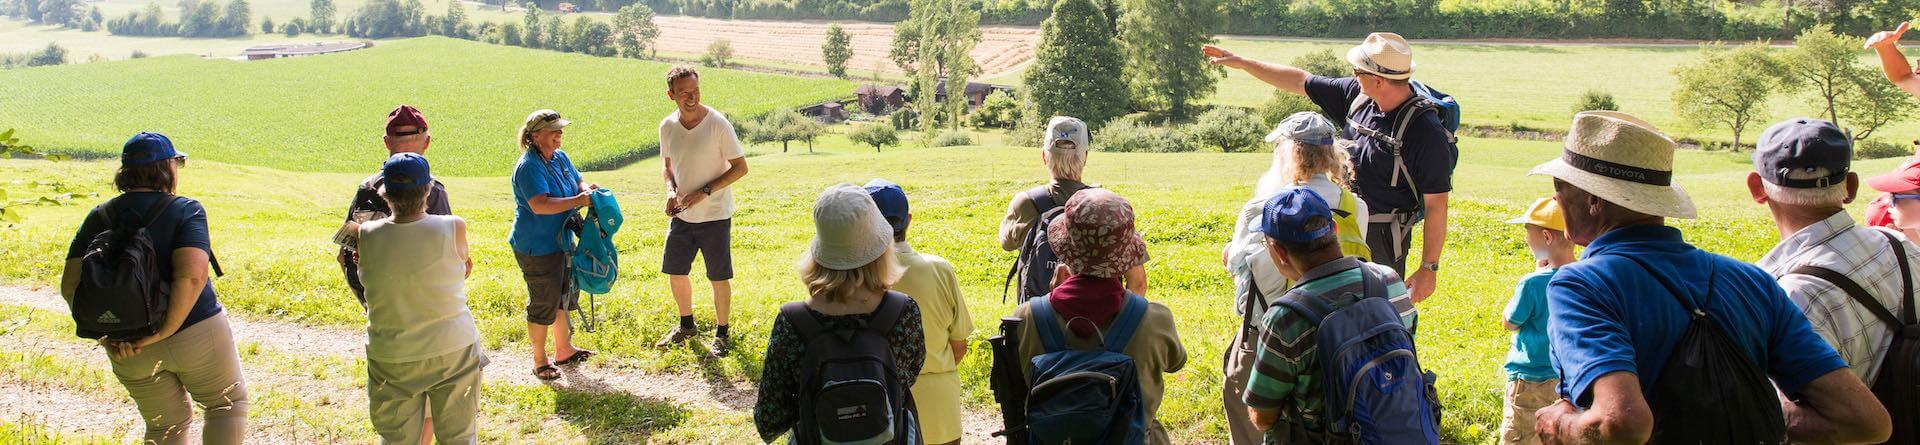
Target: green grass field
319, 113
273, 228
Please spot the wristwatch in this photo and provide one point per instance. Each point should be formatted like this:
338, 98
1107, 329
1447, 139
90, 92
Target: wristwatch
706, 190
1430, 267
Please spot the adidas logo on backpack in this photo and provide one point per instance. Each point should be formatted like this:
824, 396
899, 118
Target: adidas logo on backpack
108, 318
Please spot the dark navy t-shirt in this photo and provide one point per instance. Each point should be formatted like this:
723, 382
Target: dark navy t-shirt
1428, 151
183, 225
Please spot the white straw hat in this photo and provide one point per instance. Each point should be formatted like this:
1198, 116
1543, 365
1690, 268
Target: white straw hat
849, 232
1383, 54
1623, 160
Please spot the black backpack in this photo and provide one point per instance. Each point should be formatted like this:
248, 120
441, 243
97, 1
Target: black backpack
1710, 391
122, 295
1897, 383
850, 389
1036, 262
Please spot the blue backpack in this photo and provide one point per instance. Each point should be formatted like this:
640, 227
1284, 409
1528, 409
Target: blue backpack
1375, 391
596, 264
1086, 396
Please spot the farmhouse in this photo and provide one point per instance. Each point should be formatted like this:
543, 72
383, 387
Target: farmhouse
280, 50
826, 112
975, 92
877, 99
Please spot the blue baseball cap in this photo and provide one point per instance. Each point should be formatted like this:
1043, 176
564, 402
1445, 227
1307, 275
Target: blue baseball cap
892, 201
147, 148
1287, 213
406, 171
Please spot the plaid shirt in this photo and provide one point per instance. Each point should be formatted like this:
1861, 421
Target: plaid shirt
1862, 255
1286, 369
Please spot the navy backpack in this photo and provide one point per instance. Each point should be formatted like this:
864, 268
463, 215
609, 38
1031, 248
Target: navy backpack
1086, 396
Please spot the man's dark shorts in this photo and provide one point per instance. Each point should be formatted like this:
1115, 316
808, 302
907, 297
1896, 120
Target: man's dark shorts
712, 240
547, 289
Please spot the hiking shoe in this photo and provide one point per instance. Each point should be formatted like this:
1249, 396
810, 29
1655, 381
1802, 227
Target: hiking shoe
721, 346
677, 336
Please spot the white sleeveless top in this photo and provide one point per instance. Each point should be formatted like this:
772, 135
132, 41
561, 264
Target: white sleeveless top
416, 301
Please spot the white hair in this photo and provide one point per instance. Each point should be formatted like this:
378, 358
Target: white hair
1066, 164
1832, 195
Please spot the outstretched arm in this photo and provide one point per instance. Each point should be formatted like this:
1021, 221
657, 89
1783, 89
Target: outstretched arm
1898, 71
1290, 79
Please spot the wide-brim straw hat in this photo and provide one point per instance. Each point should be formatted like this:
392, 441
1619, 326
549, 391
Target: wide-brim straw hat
1383, 54
1623, 160
849, 232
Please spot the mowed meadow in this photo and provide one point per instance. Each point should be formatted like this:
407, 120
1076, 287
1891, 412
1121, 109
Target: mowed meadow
326, 113
279, 145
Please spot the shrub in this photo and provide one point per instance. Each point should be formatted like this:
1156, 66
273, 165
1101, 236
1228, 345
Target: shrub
1596, 100
1232, 129
1284, 104
137, 54
1879, 149
1129, 136
999, 111
719, 54
875, 134
953, 138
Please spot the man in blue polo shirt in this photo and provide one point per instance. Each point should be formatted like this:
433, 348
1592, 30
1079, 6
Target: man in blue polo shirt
1615, 320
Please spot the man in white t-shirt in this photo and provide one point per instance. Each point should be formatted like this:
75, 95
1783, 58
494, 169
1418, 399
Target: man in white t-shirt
703, 157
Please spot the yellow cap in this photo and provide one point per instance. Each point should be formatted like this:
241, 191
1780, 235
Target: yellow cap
1544, 213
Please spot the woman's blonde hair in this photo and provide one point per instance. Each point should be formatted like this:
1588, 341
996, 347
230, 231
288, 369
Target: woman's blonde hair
531, 126
1295, 163
837, 285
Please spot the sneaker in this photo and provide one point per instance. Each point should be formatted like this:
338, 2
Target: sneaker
721, 345
677, 336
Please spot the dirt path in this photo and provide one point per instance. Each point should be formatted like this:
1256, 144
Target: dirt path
19, 399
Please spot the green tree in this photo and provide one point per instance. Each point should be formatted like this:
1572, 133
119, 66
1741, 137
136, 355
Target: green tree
322, 14
1077, 68
1323, 63
532, 23
455, 24
510, 34
266, 25
948, 30
634, 31
876, 134
236, 19
998, 111
905, 49
67, 13
1727, 87
1870, 102
719, 54
551, 31
1824, 64
1162, 39
1232, 129
293, 27
838, 49
589, 36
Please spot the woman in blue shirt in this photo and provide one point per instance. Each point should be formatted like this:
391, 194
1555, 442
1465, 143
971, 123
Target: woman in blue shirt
547, 191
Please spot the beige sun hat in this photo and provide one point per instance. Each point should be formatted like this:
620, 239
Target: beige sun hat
849, 231
1383, 54
1623, 160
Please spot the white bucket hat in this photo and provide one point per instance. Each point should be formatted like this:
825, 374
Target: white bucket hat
849, 232
1623, 160
1383, 54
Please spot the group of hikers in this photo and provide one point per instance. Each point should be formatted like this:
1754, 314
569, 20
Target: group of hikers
1640, 337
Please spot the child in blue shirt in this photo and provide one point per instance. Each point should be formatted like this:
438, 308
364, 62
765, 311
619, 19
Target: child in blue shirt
1531, 380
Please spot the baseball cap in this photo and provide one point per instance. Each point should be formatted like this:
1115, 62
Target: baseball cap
1545, 212
1305, 127
1900, 180
892, 201
405, 116
406, 171
1801, 145
1286, 216
1064, 128
147, 148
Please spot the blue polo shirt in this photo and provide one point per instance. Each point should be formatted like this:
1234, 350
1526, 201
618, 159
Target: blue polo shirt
535, 234
1610, 315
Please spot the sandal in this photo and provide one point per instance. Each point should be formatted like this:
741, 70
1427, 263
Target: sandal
546, 372
579, 356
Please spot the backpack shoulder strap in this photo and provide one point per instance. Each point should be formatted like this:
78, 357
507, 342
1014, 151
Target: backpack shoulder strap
1254, 299
1311, 307
802, 320
1853, 290
893, 305
159, 208
1353, 108
1906, 278
1041, 200
1125, 324
1047, 324
1678, 295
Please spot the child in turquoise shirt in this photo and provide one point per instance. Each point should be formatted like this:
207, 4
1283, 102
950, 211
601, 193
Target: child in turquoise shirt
1531, 380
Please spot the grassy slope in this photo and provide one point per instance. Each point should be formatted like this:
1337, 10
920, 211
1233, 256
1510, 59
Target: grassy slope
324, 113
275, 235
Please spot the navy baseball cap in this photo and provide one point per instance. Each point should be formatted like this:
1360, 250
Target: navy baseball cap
147, 148
406, 171
1286, 216
892, 201
1803, 144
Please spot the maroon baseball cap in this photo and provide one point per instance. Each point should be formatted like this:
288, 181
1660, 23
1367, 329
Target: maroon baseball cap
405, 116
1901, 180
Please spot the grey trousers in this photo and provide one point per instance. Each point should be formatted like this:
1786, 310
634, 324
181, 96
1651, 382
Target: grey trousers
399, 396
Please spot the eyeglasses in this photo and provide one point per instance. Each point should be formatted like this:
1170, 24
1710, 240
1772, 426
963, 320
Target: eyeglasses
180, 162
1906, 196
550, 117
